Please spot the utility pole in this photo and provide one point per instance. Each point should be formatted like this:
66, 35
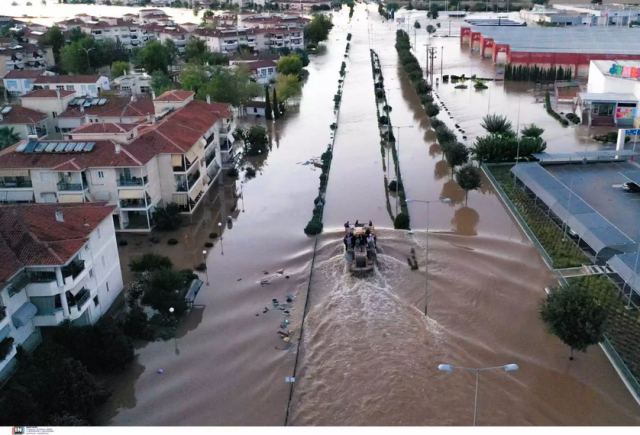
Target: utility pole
431, 55
426, 60
441, 57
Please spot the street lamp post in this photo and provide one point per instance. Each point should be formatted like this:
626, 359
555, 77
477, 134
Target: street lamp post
204, 260
443, 200
448, 368
221, 239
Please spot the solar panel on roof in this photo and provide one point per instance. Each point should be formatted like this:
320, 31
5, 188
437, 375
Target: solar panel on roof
40, 147
94, 102
87, 103
79, 146
70, 146
89, 146
60, 147
51, 146
30, 147
21, 147
102, 102
6, 109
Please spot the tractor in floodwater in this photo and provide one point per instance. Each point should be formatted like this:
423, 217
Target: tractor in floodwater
361, 248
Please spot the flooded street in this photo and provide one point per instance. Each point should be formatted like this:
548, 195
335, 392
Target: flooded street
368, 353
228, 365
370, 356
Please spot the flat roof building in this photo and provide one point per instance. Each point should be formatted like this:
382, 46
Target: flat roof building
613, 94
569, 47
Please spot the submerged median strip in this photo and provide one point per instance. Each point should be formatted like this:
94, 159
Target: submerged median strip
314, 226
388, 141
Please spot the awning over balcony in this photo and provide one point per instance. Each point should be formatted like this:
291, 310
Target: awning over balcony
4, 332
24, 314
14, 173
191, 155
131, 194
70, 198
16, 196
176, 160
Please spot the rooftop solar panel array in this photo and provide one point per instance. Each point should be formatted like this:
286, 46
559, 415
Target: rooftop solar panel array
35, 146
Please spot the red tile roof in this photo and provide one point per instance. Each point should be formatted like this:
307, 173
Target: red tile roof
31, 236
48, 93
104, 127
86, 78
103, 155
23, 74
177, 132
175, 95
115, 107
22, 115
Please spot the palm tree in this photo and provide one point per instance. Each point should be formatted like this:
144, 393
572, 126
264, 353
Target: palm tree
8, 137
497, 124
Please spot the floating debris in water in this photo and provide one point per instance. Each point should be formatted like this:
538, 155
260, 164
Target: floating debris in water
160, 371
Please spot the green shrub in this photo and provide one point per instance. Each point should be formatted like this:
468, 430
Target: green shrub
167, 218
401, 222
150, 262
313, 227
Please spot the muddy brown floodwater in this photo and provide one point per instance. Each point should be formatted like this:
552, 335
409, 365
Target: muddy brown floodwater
368, 353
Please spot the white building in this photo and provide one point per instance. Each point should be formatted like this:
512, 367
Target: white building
133, 83
19, 82
86, 85
59, 263
613, 94
173, 158
25, 122
263, 71
604, 15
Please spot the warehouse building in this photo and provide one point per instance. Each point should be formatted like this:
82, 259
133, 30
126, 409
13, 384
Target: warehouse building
546, 47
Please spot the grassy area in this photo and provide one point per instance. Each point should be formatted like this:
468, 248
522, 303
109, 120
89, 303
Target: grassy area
563, 253
623, 326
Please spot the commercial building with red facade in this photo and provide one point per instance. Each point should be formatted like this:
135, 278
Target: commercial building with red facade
545, 47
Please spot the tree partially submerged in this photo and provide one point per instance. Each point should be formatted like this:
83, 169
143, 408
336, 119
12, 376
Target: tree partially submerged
167, 218
497, 124
575, 316
468, 178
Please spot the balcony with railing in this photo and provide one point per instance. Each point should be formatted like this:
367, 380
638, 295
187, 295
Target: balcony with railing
136, 220
136, 202
72, 182
78, 303
131, 179
185, 183
184, 166
210, 157
73, 269
15, 182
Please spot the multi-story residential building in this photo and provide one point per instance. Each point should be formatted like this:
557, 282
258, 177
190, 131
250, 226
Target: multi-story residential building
25, 122
88, 85
264, 21
51, 102
24, 56
125, 110
263, 71
59, 263
19, 82
259, 39
173, 158
133, 83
